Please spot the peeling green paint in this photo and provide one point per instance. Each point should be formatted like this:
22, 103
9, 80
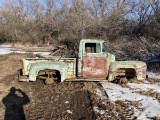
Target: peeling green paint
36, 67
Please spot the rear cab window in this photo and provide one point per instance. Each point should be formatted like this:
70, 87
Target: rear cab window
92, 48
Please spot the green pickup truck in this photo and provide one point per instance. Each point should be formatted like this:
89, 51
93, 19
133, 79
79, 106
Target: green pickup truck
92, 63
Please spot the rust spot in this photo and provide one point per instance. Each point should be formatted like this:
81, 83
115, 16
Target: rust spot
94, 67
22, 64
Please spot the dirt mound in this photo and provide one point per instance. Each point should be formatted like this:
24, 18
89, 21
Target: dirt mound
60, 101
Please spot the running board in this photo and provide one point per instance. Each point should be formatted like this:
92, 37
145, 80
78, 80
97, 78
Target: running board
86, 80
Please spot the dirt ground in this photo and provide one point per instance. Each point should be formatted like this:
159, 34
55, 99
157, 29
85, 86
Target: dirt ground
60, 101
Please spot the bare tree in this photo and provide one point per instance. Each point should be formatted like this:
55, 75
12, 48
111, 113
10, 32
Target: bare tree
50, 21
75, 19
34, 9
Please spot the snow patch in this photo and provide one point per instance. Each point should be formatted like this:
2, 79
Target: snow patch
67, 102
99, 111
69, 111
146, 87
6, 49
153, 75
41, 53
151, 107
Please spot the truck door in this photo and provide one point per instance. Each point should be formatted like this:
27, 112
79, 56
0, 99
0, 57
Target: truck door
94, 64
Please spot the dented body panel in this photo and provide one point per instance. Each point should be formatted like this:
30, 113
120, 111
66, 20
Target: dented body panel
93, 62
139, 67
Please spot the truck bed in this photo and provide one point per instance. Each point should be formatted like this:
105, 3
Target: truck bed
70, 62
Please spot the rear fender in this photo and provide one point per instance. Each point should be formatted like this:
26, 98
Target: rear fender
36, 67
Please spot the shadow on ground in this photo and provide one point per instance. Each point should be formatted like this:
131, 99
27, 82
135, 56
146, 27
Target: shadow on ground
14, 102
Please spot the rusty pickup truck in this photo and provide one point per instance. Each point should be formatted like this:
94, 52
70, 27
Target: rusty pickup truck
92, 63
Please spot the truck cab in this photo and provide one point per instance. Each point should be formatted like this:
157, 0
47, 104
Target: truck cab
93, 59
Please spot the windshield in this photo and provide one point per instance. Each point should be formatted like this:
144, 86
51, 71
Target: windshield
104, 47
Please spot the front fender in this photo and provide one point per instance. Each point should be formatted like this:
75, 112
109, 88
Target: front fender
139, 66
36, 67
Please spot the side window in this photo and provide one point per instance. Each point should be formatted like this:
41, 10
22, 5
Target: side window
104, 47
92, 47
